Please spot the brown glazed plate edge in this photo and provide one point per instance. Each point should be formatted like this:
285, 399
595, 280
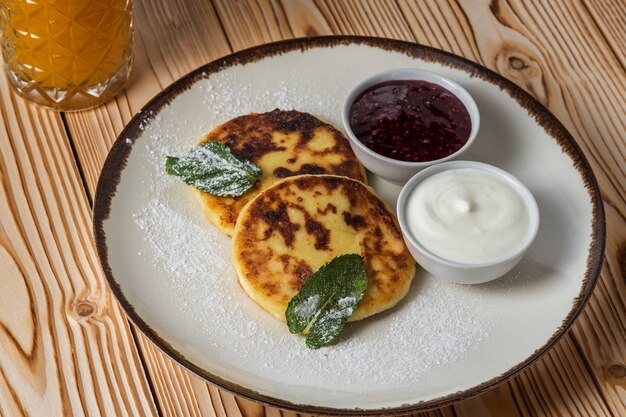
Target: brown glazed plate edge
117, 158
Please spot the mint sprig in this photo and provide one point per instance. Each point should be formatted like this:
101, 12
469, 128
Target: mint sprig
326, 300
212, 168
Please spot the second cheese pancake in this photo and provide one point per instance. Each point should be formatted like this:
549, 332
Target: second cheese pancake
283, 144
300, 223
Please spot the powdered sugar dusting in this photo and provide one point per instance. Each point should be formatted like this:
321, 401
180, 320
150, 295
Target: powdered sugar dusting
307, 307
289, 93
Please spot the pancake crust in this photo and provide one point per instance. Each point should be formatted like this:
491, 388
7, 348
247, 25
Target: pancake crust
283, 143
300, 223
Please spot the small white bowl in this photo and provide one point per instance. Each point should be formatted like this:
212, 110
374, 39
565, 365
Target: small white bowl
394, 170
467, 273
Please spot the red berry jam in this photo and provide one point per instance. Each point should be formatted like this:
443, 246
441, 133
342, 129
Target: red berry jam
410, 120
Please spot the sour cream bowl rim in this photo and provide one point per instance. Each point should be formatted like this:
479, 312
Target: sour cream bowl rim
396, 170
462, 272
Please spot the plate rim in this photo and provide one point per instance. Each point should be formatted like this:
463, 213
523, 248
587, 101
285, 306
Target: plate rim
117, 158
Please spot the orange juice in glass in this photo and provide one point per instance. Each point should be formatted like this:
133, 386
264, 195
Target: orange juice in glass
67, 54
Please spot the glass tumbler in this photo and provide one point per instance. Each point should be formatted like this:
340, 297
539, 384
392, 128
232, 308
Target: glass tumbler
67, 54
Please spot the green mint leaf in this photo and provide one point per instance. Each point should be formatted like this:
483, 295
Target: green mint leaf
212, 168
326, 300
169, 163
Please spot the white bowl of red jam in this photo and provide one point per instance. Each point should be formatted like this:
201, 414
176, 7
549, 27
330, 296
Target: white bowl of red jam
401, 121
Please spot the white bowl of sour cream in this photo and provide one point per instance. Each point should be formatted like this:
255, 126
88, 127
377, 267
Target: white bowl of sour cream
467, 222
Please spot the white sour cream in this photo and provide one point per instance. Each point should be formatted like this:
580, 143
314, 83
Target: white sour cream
467, 215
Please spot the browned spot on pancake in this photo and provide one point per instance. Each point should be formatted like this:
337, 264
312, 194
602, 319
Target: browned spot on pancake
317, 229
288, 121
353, 195
329, 207
303, 270
257, 259
355, 221
400, 259
285, 261
307, 183
291, 160
378, 212
346, 168
253, 151
300, 273
298, 270
312, 169
288, 192
270, 288
378, 236
279, 220
282, 172
243, 141
375, 246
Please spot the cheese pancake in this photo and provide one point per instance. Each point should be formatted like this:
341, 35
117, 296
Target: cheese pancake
300, 223
283, 144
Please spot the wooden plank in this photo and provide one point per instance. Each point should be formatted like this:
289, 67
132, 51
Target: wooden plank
443, 25
610, 17
500, 400
65, 347
600, 331
559, 384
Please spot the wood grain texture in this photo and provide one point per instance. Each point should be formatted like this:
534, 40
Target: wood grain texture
65, 347
559, 384
567, 54
610, 15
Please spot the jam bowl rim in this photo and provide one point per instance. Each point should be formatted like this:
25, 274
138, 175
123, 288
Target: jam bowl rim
408, 74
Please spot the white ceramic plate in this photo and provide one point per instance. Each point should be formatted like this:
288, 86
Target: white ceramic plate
171, 270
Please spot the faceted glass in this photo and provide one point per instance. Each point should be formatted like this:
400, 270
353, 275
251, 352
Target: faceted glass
67, 54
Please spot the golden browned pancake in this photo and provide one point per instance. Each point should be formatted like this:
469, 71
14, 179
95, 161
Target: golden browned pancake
300, 223
283, 144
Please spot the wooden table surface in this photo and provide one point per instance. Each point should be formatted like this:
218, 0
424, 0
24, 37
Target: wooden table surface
67, 349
